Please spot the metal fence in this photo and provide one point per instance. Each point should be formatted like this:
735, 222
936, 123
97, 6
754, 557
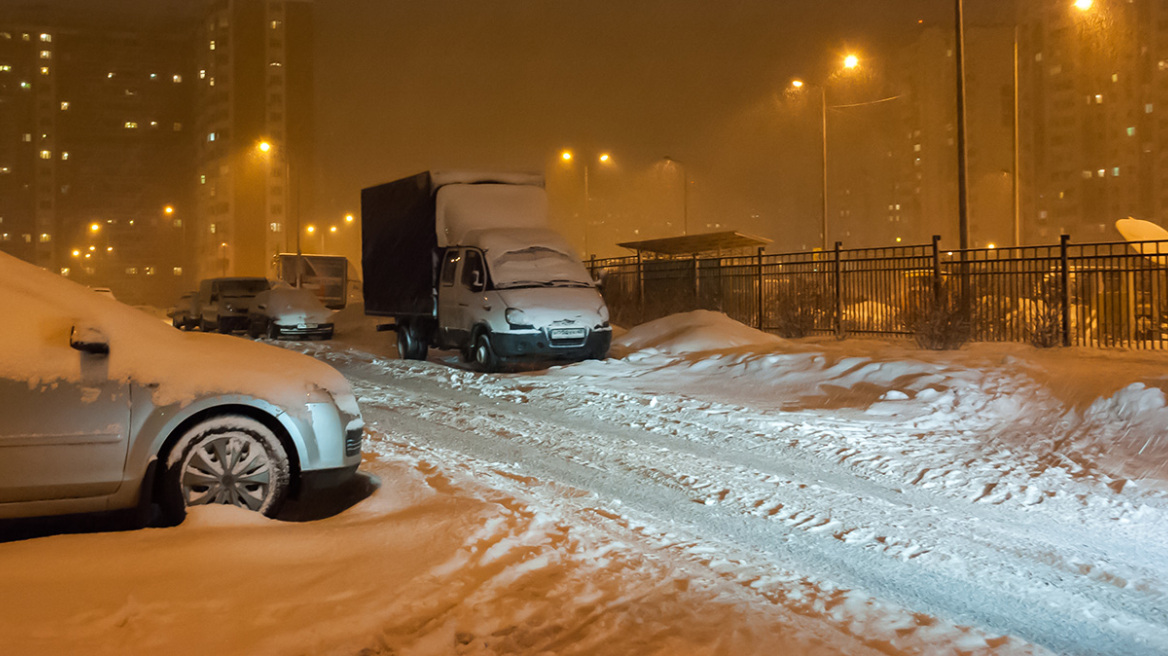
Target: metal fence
1100, 294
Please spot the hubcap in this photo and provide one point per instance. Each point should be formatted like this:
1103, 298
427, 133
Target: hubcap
230, 469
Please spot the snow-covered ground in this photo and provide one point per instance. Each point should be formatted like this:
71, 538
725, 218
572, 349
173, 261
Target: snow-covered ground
706, 490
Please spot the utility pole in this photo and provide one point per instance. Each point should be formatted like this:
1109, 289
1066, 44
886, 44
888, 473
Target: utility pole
962, 192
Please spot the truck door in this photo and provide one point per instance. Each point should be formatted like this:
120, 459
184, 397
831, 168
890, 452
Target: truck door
448, 299
472, 282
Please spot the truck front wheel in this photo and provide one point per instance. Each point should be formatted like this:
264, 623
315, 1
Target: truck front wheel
484, 354
411, 341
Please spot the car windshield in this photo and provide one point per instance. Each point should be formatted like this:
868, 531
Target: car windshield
538, 266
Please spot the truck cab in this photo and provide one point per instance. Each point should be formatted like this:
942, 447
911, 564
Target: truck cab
523, 298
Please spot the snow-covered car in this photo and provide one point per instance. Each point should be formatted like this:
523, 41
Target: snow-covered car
183, 315
103, 407
287, 311
222, 303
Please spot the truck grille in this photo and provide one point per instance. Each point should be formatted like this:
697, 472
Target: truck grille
353, 441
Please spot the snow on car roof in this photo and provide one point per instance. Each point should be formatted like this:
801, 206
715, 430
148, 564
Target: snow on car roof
179, 366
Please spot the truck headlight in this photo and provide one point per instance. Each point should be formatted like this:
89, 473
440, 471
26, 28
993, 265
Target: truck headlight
517, 319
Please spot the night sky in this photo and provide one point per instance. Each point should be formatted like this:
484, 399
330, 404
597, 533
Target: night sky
405, 86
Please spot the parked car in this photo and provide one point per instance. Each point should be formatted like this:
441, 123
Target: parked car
286, 311
105, 291
223, 302
183, 314
105, 408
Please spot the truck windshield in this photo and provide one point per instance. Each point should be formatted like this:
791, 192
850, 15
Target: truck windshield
537, 266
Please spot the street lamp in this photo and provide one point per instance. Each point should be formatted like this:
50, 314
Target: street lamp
850, 62
266, 147
602, 158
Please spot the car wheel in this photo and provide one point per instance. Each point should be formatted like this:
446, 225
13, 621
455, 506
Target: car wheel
223, 327
205, 325
484, 354
174, 321
253, 329
273, 330
231, 460
411, 342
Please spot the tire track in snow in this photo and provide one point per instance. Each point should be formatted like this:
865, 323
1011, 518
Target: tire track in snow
514, 429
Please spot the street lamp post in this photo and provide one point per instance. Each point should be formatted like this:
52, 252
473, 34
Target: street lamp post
684, 194
266, 147
603, 158
799, 84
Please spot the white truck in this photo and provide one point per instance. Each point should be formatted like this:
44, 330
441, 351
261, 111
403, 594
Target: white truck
467, 261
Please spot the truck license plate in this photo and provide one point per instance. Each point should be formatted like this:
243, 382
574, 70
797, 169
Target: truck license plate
568, 333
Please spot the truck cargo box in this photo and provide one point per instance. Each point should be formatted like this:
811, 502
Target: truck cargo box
398, 239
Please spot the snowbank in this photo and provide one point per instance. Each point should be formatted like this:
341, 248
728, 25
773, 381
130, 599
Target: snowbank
1100, 411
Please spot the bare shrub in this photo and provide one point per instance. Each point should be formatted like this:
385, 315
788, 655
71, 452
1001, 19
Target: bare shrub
797, 308
942, 323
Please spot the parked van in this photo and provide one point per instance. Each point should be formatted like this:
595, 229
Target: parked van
223, 302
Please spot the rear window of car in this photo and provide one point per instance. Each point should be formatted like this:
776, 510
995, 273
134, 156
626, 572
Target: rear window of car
242, 286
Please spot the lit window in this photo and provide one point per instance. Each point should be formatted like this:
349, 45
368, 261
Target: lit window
1115, 77
131, 271
25, 85
154, 76
44, 70
148, 271
1148, 108
211, 137
202, 74
5, 67
46, 54
177, 271
64, 105
46, 154
211, 81
178, 127
1115, 172
47, 38
46, 238
109, 76
65, 271
275, 63
153, 124
213, 228
26, 137
1131, 132
1101, 172
4, 169
277, 24
131, 125
177, 79
212, 45
1086, 175
5, 237
27, 238
1098, 99
275, 226
176, 223
65, 155
202, 179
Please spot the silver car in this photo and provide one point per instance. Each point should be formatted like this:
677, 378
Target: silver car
105, 408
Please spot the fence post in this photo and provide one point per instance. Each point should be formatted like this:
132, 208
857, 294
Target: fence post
697, 285
838, 311
1065, 280
640, 288
936, 271
759, 288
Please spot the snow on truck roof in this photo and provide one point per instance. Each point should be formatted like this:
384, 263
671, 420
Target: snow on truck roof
443, 178
463, 208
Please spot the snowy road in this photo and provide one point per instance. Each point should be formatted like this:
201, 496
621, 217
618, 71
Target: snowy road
809, 509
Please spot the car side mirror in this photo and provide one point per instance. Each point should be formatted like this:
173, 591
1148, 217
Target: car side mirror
89, 339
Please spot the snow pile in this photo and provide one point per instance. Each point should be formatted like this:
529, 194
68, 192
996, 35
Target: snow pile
691, 332
47, 309
1099, 412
